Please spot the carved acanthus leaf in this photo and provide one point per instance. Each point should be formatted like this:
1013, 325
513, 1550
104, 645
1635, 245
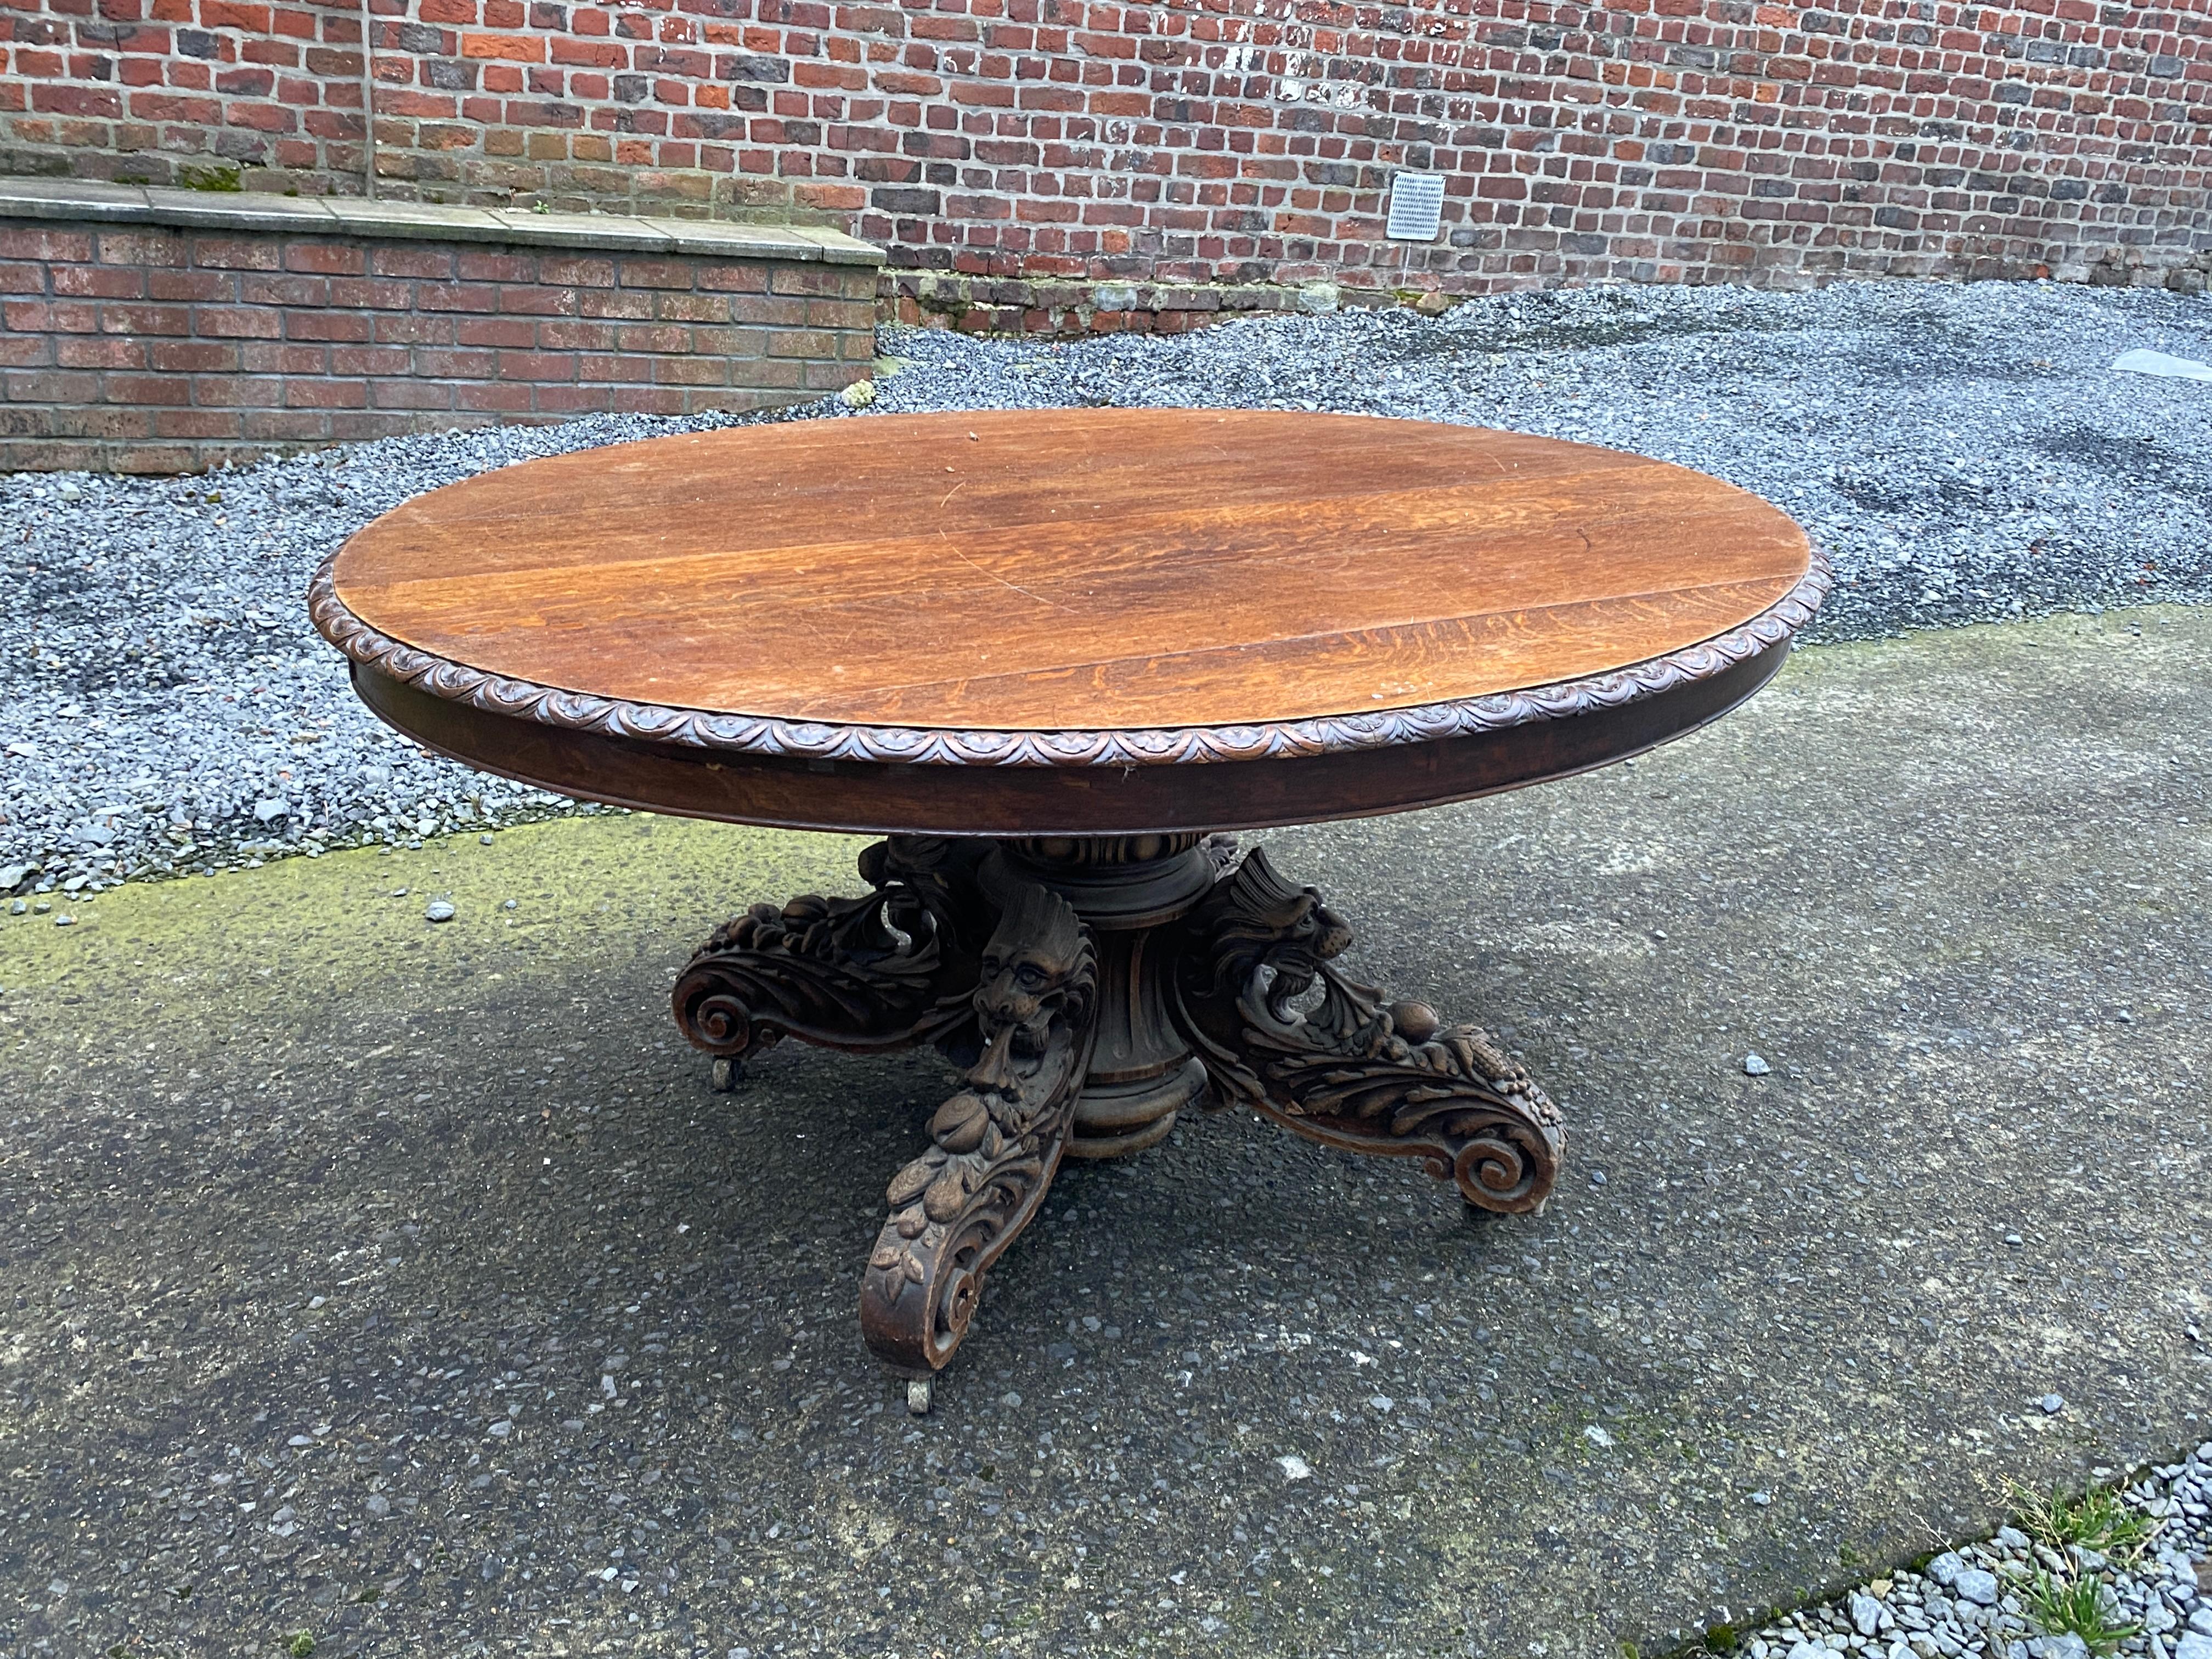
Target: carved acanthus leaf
1352, 1070
994, 1145
885, 970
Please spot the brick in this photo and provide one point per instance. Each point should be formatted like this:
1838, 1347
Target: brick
236, 390
695, 370
109, 424
317, 392
1016, 159
648, 400
98, 351
237, 322
449, 365
411, 328
361, 425
412, 259
22, 242
801, 343
537, 366
145, 391
125, 317
200, 287
269, 358
142, 246
257, 289
573, 400
192, 356
306, 323
324, 258
394, 393
496, 396
98, 282
596, 366
364, 361
457, 296
482, 265
371, 293
197, 423
286, 426
656, 273
557, 335
238, 253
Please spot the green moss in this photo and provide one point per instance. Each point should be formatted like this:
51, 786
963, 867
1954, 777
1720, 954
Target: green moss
204, 951
221, 178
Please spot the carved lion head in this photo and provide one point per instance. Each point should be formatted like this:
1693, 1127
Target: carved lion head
1038, 969
1258, 920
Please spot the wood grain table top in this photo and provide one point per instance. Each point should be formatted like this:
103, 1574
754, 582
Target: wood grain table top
1071, 570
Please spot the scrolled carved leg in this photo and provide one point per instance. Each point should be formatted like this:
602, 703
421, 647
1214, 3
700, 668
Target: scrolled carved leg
995, 1144
1352, 1071
888, 971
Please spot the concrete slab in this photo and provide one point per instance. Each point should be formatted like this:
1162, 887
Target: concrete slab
426, 1242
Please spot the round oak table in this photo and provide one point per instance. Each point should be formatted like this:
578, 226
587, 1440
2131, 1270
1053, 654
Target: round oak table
1053, 655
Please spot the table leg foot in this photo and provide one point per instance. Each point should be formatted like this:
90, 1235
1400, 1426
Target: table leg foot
1354, 1070
887, 971
995, 1144
919, 1393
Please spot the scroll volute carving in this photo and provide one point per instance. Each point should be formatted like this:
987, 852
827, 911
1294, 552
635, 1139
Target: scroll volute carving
994, 1145
885, 970
1351, 1069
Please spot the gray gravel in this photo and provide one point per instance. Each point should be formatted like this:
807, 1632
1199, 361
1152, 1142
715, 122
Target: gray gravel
1963, 454
1997, 1597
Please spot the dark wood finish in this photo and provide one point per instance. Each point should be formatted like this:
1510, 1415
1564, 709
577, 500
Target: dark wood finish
1048, 570
1048, 653
1215, 955
878, 797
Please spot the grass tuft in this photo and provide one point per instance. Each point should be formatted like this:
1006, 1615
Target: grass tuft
2098, 1519
2083, 1606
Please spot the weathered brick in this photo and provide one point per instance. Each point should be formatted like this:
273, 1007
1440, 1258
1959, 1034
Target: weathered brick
198, 423
98, 351
415, 259
307, 322
46, 244
238, 253
320, 257
510, 333
148, 391
237, 322
322, 391
495, 395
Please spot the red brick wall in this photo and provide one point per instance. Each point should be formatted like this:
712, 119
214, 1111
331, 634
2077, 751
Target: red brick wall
1045, 147
141, 348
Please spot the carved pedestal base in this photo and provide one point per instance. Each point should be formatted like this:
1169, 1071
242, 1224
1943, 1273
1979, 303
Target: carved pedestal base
1091, 990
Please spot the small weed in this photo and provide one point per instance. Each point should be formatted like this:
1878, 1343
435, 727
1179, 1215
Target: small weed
2082, 1606
1721, 1639
2098, 1519
221, 180
300, 1643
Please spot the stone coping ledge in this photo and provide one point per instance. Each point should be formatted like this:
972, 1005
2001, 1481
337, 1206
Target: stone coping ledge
352, 215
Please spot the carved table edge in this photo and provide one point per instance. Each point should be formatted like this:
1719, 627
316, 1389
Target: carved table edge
753, 734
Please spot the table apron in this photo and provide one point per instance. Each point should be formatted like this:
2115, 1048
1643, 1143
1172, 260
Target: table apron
874, 797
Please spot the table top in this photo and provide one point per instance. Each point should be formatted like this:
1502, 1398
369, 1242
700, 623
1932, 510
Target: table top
1065, 587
